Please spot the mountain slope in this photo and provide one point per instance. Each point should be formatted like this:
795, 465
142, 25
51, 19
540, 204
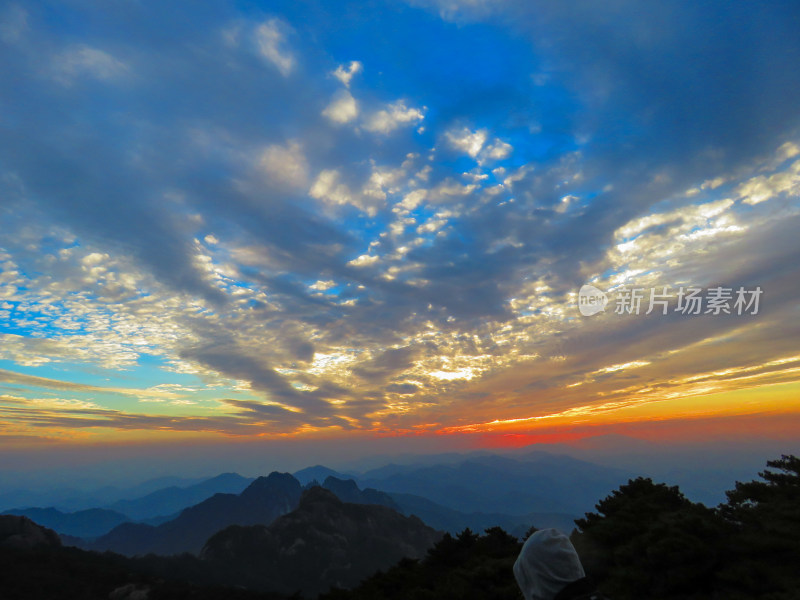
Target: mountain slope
317, 473
348, 491
69, 499
18, 532
170, 500
455, 521
495, 484
61, 573
466, 567
324, 542
262, 502
89, 523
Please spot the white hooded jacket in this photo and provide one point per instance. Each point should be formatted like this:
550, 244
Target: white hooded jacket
546, 564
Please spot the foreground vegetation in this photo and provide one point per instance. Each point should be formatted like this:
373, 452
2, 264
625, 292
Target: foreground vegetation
646, 540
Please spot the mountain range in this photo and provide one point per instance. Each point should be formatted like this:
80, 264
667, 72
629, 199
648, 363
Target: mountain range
89, 523
479, 491
173, 499
536, 482
454, 521
154, 508
67, 499
324, 542
261, 502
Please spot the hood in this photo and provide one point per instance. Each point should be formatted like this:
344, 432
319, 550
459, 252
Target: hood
546, 564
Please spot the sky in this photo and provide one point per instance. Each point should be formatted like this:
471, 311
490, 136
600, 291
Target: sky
325, 223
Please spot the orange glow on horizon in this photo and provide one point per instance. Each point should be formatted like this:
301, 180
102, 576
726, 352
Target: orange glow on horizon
772, 399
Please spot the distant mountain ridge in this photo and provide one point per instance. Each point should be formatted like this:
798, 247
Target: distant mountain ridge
265, 499
261, 502
154, 508
484, 490
540, 482
170, 500
318, 473
88, 523
70, 500
454, 521
347, 490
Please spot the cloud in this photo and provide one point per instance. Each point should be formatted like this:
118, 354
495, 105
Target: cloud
342, 109
346, 74
363, 260
402, 388
761, 188
207, 227
393, 117
387, 364
457, 9
498, 150
329, 188
18, 378
271, 43
285, 165
474, 144
157, 393
85, 61
13, 23
464, 140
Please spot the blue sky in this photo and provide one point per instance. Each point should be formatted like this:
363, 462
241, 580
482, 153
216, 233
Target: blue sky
321, 218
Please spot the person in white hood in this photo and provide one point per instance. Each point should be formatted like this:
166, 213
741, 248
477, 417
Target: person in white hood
548, 568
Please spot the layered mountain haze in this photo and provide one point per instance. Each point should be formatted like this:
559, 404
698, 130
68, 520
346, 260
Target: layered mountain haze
88, 523
704, 471
261, 502
154, 508
455, 521
538, 482
449, 492
477, 492
170, 500
347, 490
282, 533
318, 473
78, 495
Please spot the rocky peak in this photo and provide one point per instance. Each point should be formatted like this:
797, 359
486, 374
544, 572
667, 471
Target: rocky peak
21, 532
275, 483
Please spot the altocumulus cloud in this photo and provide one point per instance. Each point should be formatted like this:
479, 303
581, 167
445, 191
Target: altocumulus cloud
304, 223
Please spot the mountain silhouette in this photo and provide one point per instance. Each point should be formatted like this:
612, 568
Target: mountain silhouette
317, 473
455, 521
324, 542
18, 532
68, 499
540, 482
347, 490
261, 502
173, 499
88, 523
